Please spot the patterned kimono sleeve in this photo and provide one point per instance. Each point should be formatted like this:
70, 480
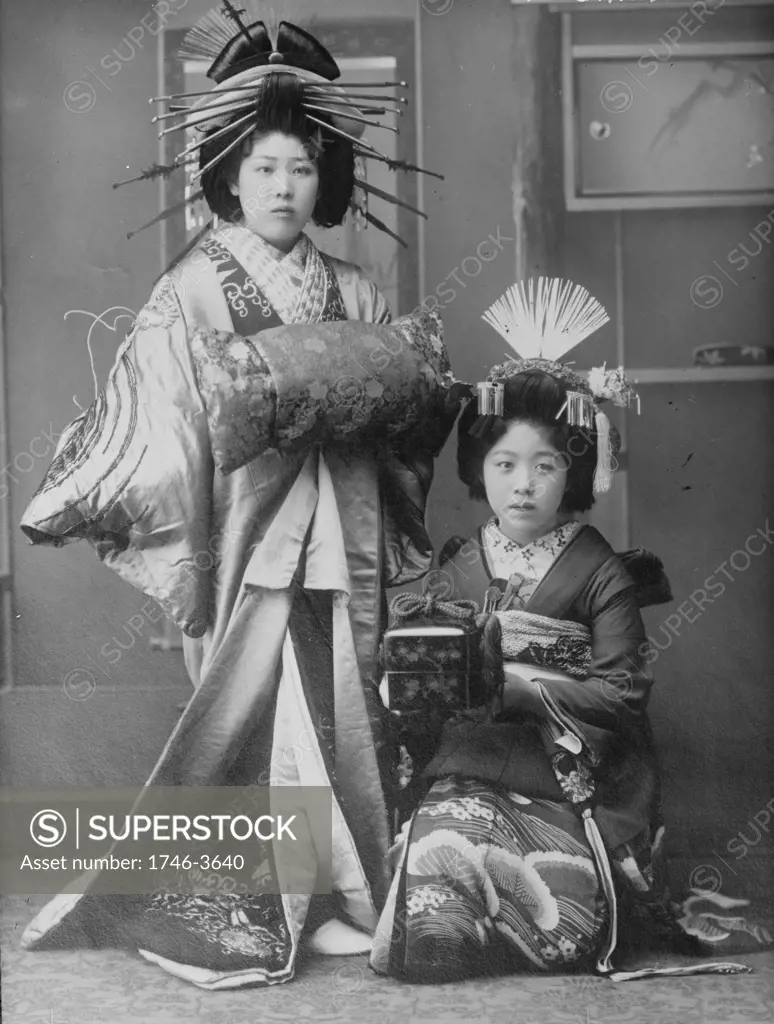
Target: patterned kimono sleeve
405, 474
133, 474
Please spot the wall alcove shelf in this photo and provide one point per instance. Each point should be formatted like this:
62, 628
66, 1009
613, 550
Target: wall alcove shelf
701, 374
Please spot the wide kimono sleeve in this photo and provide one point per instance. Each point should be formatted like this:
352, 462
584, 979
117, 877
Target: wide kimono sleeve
615, 694
133, 474
362, 298
405, 472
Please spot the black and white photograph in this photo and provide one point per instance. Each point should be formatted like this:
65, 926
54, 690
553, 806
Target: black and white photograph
387, 511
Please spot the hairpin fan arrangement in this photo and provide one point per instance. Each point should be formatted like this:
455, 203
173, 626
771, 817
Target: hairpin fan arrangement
542, 320
243, 57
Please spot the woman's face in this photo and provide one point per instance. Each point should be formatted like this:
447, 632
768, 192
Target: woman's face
525, 479
277, 188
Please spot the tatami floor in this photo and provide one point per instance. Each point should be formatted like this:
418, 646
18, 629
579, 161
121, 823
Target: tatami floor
117, 987
113, 739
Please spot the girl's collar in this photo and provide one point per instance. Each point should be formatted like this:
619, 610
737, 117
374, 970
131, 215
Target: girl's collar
502, 539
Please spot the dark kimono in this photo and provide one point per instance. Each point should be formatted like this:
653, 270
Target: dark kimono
540, 825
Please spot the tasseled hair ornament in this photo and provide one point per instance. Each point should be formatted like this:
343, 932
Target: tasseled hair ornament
491, 406
242, 55
542, 320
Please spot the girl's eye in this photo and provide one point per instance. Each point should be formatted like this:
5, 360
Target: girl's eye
545, 467
303, 169
504, 465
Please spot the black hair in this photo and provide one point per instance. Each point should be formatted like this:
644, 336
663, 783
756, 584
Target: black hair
533, 397
280, 109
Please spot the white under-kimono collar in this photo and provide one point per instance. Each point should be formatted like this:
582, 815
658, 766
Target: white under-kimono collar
280, 275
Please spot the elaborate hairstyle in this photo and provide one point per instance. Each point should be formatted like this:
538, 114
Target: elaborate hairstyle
536, 397
254, 79
280, 108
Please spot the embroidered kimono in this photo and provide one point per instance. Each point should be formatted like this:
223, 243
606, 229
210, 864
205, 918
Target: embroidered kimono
289, 558
536, 844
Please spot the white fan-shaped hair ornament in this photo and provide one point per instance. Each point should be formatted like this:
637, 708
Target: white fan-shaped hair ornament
542, 320
545, 318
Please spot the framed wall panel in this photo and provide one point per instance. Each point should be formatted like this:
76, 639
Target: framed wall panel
663, 112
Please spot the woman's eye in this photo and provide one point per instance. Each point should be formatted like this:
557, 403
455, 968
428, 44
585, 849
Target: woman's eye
545, 467
303, 169
505, 465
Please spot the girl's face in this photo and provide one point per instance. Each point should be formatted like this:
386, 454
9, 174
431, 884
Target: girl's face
277, 188
525, 479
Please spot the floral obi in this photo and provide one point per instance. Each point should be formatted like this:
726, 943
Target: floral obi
545, 642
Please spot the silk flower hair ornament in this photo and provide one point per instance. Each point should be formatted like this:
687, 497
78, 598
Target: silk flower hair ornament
542, 321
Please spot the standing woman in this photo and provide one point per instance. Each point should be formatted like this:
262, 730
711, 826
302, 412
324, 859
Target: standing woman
209, 475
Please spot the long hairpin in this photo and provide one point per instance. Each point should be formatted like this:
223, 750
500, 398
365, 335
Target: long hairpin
215, 114
183, 125
154, 171
360, 108
200, 114
241, 138
363, 85
233, 13
198, 143
335, 88
253, 87
166, 213
345, 135
366, 186
357, 95
399, 165
352, 117
383, 227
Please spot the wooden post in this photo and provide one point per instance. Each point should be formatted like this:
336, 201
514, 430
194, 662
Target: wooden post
538, 200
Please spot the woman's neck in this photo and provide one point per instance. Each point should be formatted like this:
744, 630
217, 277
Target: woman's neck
526, 534
284, 247
280, 248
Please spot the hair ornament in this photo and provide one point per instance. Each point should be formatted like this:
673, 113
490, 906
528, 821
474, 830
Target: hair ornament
238, 43
545, 318
542, 320
579, 409
612, 385
491, 406
603, 474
